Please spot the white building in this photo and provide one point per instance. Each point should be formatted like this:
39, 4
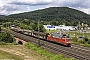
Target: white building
63, 27
49, 27
60, 27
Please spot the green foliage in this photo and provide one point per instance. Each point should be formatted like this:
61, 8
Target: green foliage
26, 21
5, 19
86, 39
6, 37
86, 45
50, 31
74, 39
41, 28
30, 25
52, 15
35, 26
2, 43
46, 53
0, 29
24, 26
82, 41
55, 15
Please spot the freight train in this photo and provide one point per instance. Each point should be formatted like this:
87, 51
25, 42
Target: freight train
55, 37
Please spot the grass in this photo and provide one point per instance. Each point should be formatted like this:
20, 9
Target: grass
4, 43
7, 56
22, 51
50, 31
46, 53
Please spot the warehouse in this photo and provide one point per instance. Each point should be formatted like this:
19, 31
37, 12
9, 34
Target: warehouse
60, 27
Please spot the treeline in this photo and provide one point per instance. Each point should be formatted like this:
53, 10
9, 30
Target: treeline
29, 25
23, 24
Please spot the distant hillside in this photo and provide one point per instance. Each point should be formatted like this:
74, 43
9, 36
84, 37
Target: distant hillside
2, 15
55, 14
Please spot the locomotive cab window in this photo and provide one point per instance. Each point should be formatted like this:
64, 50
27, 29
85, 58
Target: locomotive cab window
64, 36
67, 40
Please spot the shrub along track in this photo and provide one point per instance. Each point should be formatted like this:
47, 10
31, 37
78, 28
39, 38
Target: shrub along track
79, 53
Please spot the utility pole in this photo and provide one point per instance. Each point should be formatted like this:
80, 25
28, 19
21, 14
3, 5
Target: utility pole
79, 28
0, 29
38, 34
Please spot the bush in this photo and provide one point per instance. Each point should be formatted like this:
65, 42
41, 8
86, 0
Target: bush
89, 41
82, 41
74, 39
6, 37
86, 45
86, 39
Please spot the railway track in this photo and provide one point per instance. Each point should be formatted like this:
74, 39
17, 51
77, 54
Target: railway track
85, 49
77, 52
67, 51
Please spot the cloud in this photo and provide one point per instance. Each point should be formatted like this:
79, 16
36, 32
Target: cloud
20, 11
72, 3
13, 6
31, 2
6, 8
9, 7
16, 12
28, 8
3, 12
85, 10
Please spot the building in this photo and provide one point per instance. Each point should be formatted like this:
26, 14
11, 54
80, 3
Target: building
60, 27
49, 27
63, 27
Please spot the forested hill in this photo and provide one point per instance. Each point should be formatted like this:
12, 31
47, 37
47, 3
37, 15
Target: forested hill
55, 14
2, 15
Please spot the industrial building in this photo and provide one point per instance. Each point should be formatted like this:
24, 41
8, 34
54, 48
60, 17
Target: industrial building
60, 27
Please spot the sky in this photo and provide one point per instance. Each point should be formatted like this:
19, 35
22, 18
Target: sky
8, 7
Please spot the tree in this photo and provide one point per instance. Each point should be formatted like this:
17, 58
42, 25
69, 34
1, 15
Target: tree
41, 28
6, 37
0, 29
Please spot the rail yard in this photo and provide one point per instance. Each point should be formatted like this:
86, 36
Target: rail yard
75, 51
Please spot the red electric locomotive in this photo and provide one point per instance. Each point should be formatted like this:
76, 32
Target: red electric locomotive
59, 38
56, 37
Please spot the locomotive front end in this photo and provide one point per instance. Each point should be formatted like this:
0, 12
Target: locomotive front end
68, 42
